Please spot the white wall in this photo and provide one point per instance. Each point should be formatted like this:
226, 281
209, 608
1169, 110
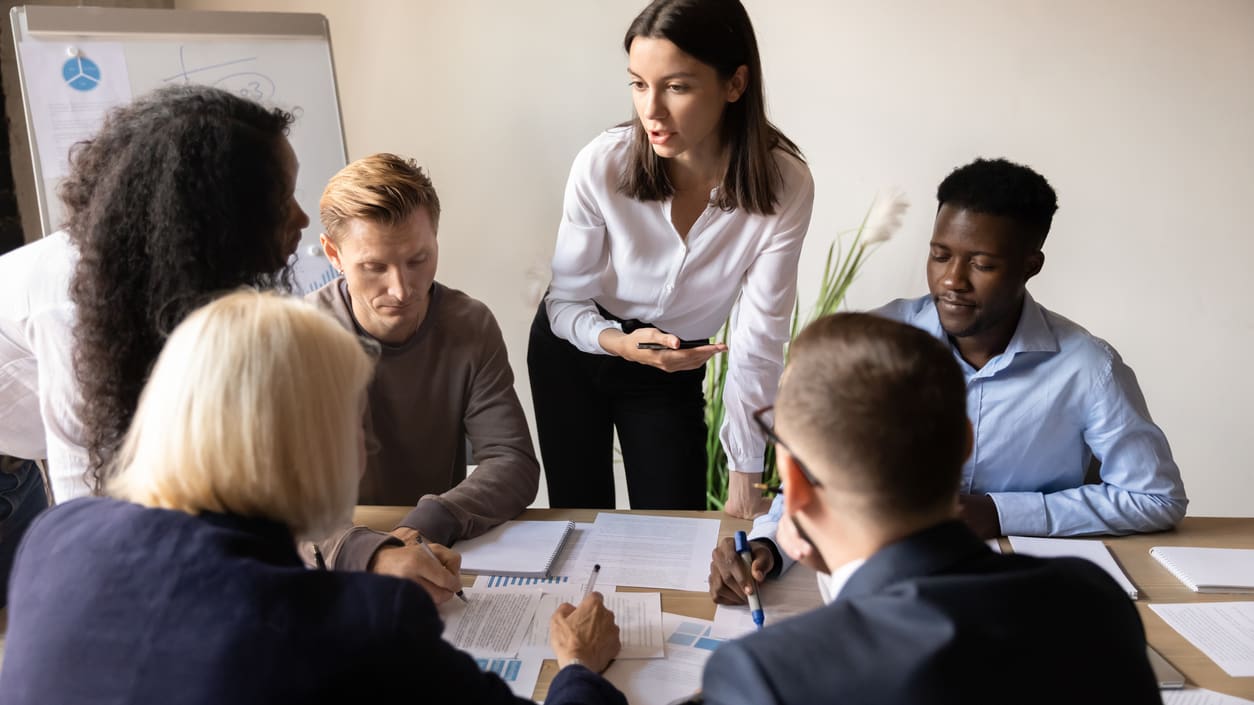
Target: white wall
1139, 112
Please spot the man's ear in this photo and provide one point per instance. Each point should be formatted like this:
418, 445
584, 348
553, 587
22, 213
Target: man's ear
799, 494
1036, 261
332, 252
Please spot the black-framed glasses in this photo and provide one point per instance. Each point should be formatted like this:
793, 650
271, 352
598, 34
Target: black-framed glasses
769, 430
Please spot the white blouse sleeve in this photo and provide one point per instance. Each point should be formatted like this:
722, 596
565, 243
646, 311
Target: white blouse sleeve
579, 260
760, 324
52, 339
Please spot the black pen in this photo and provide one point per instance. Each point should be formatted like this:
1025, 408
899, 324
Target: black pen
461, 595
319, 560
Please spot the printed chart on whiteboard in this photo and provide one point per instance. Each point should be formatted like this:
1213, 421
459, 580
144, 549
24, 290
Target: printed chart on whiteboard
70, 87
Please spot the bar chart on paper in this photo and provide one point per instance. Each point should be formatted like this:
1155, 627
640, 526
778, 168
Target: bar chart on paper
498, 581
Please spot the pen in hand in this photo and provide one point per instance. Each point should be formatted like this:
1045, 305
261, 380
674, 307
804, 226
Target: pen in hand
460, 594
592, 581
746, 556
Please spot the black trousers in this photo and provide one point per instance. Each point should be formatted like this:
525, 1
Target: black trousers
581, 398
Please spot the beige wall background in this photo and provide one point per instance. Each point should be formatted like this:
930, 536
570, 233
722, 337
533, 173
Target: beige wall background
1139, 112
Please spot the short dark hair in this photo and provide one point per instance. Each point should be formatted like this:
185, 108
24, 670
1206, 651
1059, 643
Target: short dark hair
717, 33
179, 197
883, 406
1002, 188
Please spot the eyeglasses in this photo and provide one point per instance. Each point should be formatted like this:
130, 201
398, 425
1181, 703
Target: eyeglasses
769, 430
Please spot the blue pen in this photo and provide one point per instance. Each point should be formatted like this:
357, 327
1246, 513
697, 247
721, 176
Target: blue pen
746, 555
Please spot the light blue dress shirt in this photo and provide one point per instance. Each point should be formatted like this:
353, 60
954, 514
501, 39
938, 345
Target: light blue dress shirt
1057, 398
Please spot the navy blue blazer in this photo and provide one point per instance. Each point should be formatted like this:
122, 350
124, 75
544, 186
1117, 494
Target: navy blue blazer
940, 618
111, 602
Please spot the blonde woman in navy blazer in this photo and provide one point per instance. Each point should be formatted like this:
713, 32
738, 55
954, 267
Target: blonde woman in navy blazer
186, 586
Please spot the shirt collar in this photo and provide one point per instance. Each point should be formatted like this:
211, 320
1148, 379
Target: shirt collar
831, 585
930, 551
1032, 334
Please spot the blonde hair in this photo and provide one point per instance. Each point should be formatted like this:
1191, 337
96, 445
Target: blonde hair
382, 188
253, 408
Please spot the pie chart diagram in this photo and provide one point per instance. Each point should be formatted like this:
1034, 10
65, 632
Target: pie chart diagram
81, 74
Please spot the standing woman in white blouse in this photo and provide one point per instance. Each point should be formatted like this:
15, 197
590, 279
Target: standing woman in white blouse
694, 210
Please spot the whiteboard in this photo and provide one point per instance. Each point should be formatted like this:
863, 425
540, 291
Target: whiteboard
75, 63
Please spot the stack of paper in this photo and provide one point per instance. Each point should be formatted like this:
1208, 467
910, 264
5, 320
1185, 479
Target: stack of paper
1090, 549
1224, 631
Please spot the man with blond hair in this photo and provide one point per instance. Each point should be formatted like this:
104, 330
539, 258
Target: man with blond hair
443, 378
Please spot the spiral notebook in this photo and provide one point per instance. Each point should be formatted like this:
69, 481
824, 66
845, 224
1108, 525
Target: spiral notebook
1209, 569
523, 549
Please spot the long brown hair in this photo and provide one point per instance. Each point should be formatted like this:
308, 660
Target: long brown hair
717, 33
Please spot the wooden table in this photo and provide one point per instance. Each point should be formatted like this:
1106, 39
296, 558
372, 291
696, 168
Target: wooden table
1155, 584
1132, 552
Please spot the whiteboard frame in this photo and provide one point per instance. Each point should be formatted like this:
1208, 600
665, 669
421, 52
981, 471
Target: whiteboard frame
84, 23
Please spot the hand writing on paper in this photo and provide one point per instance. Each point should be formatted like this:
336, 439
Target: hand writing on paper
980, 513
623, 345
587, 633
441, 578
729, 580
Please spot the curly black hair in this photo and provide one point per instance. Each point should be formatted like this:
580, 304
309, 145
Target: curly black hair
1003, 188
180, 196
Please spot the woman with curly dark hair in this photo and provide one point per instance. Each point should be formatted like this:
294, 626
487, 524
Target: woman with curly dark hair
183, 194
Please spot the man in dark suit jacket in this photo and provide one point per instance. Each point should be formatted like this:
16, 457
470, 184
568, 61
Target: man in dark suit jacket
870, 435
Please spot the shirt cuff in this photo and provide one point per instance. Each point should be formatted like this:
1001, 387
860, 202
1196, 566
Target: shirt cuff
1021, 513
746, 463
594, 340
764, 529
360, 546
433, 520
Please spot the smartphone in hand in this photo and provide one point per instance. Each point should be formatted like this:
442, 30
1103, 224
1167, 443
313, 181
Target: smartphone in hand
683, 345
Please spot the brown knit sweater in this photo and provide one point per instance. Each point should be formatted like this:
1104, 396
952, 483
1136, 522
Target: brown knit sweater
448, 384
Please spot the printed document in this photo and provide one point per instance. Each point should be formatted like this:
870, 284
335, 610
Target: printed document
1201, 696
492, 623
661, 681
1224, 631
795, 592
557, 582
520, 672
637, 614
71, 86
651, 551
